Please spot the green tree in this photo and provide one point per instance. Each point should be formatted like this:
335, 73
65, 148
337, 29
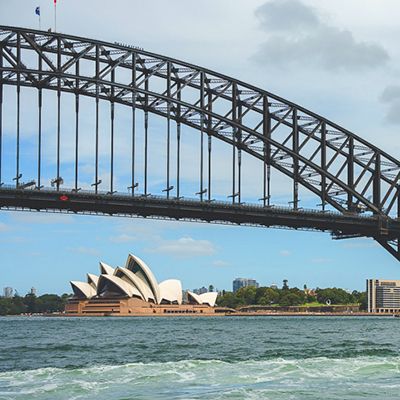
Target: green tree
311, 299
65, 297
49, 303
299, 293
30, 303
361, 298
246, 295
267, 296
334, 295
363, 301
5, 306
17, 305
260, 292
285, 285
290, 299
228, 299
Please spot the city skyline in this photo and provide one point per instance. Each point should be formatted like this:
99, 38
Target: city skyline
47, 250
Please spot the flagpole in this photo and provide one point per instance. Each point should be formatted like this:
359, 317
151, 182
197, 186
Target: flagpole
55, 16
40, 25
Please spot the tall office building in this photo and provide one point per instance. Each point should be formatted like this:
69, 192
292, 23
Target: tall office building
8, 292
244, 282
383, 295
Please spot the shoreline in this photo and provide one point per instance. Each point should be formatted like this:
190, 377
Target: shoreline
232, 314
243, 314
311, 314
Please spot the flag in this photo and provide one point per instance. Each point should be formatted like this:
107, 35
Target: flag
55, 2
37, 11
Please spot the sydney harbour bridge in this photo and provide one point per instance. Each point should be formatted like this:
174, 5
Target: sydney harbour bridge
91, 127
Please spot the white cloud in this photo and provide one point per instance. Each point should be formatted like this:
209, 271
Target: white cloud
221, 263
285, 253
296, 34
287, 15
184, 247
391, 97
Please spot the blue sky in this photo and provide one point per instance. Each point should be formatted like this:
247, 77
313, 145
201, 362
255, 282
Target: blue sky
46, 251
337, 58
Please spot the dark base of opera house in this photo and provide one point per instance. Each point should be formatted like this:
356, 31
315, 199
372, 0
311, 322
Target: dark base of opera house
134, 307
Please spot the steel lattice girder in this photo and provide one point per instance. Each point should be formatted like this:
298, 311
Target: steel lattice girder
343, 169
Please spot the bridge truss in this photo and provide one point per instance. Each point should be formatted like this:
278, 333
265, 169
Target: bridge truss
356, 183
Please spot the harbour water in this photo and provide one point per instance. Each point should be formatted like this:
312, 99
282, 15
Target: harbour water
199, 358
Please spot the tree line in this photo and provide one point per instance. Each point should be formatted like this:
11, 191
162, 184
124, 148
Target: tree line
31, 304
271, 296
246, 296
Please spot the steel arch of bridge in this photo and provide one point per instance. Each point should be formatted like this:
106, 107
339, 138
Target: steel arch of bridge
346, 172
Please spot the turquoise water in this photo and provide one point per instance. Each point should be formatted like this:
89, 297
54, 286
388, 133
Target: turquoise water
200, 358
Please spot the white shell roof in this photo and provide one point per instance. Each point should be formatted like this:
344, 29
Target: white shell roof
193, 296
206, 298
106, 269
125, 287
137, 280
171, 290
93, 280
209, 298
84, 288
141, 286
145, 274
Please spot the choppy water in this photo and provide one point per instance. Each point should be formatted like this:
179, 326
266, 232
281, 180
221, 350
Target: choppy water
200, 358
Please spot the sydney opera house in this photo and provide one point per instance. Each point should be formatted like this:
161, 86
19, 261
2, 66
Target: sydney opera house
133, 290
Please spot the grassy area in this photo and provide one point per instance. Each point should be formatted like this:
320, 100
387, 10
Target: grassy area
309, 305
316, 304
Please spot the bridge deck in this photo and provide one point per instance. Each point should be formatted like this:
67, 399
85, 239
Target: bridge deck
192, 209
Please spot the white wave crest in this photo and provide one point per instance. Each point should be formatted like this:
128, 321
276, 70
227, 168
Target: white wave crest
363, 377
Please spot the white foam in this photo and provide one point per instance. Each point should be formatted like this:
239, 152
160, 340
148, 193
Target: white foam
206, 379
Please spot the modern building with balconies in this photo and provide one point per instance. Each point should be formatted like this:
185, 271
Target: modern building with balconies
383, 296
